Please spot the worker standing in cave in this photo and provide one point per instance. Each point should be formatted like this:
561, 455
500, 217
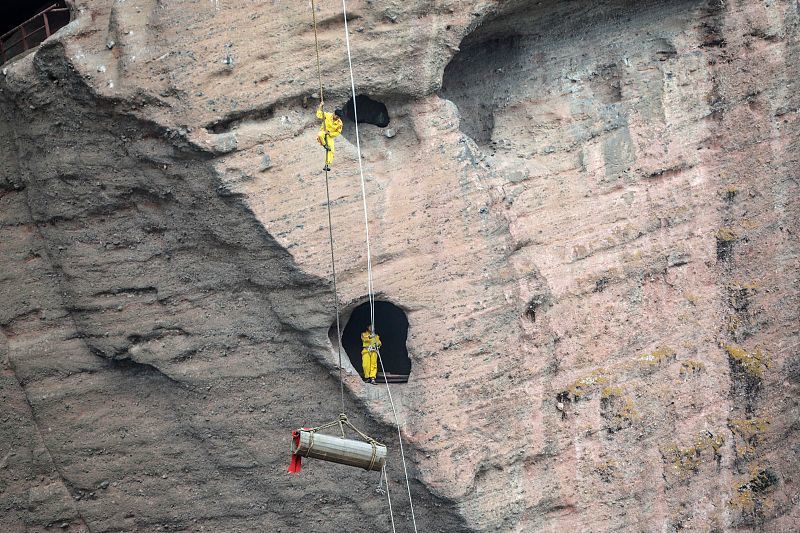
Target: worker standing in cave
330, 128
370, 344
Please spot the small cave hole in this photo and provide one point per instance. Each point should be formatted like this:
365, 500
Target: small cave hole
369, 111
391, 324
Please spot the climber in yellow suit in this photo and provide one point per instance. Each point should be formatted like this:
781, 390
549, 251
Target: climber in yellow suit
370, 343
330, 128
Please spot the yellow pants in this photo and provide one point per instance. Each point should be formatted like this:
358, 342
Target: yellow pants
369, 362
325, 140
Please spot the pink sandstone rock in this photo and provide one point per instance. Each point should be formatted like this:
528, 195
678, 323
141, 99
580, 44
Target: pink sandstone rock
588, 212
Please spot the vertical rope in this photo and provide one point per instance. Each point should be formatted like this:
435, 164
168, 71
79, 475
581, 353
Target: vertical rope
316, 46
388, 497
400, 441
370, 290
335, 291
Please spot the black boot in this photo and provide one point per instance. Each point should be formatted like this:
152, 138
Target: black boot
326, 168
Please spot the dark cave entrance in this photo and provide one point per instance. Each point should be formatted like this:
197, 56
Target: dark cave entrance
391, 324
369, 111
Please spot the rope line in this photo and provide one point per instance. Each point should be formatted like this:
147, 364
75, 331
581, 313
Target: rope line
316, 46
388, 497
330, 221
335, 290
400, 441
370, 290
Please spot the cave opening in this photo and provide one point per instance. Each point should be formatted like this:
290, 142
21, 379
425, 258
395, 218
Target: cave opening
475, 80
369, 111
391, 324
523, 63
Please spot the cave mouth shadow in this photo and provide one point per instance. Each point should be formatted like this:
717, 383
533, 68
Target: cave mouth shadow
515, 60
369, 111
391, 323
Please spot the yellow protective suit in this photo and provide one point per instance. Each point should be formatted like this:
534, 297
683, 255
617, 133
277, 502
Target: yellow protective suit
369, 354
330, 128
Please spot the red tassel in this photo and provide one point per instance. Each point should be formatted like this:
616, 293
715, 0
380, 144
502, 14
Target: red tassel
295, 465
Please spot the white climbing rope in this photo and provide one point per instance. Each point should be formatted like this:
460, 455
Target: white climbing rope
383, 474
370, 291
388, 498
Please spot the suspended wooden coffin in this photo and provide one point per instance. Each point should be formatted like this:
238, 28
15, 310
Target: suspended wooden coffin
309, 443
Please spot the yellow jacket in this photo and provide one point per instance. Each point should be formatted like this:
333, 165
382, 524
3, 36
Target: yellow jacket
332, 124
370, 342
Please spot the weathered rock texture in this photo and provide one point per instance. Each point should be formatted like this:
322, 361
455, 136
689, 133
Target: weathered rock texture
588, 210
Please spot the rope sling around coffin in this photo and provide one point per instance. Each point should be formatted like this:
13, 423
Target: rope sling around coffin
308, 442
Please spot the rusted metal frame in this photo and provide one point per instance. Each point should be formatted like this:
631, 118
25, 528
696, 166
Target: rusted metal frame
54, 8
5, 47
25, 36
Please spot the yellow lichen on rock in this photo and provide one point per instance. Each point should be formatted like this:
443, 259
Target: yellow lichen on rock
750, 495
618, 408
583, 386
608, 470
734, 322
730, 191
656, 357
690, 367
611, 391
751, 431
687, 461
753, 363
727, 233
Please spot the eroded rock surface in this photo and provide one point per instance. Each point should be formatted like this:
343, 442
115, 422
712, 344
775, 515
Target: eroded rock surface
587, 210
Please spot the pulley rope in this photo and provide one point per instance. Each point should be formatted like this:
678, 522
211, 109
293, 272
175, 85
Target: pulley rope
370, 290
388, 498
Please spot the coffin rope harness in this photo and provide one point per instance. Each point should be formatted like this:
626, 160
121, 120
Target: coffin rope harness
342, 422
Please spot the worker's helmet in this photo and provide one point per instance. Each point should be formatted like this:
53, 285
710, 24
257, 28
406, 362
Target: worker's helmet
339, 113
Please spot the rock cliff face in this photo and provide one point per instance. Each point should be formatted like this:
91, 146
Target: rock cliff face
587, 210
